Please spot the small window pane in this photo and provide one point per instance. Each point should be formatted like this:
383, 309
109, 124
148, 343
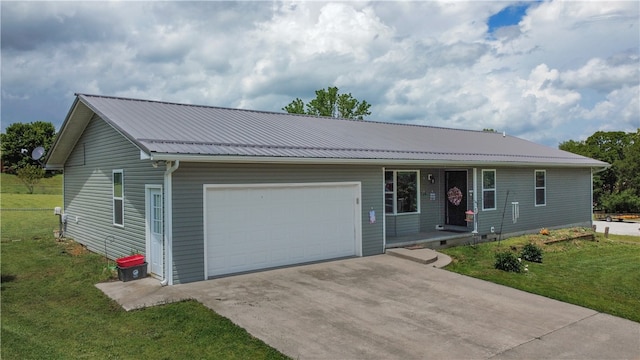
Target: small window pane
540, 181
388, 181
540, 197
407, 192
117, 184
157, 214
117, 212
489, 199
489, 179
388, 203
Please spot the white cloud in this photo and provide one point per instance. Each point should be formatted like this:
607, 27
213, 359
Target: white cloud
565, 66
620, 108
600, 75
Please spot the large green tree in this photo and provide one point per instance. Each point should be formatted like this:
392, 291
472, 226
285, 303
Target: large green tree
616, 189
27, 136
629, 167
330, 103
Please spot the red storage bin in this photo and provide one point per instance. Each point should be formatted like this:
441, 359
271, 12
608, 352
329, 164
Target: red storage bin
128, 261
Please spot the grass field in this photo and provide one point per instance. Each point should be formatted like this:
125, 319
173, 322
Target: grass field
35, 220
603, 275
30, 222
10, 184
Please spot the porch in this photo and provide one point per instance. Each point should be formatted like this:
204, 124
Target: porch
432, 239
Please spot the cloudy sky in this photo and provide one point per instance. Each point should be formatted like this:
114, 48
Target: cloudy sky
544, 71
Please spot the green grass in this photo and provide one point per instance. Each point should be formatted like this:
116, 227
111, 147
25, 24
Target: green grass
52, 310
28, 224
602, 275
30, 201
10, 184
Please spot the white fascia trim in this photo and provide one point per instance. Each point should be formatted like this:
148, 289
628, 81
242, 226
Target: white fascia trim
337, 161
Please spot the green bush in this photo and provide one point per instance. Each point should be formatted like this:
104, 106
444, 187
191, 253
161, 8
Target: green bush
531, 252
508, 261
624, 201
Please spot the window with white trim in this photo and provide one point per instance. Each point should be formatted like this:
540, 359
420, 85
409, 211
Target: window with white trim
541, 187
118, 197
488, 189
401, 195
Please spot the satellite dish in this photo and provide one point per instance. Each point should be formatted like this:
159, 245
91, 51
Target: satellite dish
37, 153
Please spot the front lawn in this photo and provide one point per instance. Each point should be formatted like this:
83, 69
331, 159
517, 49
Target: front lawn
52, 310
603, 275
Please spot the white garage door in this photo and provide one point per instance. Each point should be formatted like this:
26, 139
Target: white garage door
251, 227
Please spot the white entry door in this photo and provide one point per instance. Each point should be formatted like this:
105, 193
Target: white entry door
250, 227
155, 238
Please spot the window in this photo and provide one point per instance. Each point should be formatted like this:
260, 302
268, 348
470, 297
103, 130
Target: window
488, 189
118, 198
541, 187
401, 192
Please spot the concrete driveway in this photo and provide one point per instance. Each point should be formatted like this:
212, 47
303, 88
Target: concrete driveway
383, 307
619, 227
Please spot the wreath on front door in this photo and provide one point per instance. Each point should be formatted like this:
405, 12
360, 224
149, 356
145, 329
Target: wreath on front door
455, 196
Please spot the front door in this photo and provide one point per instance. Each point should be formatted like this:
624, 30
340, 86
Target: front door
455, 197
155, 238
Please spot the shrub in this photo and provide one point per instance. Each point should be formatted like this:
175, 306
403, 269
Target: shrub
531, 252
624, 201
508, 261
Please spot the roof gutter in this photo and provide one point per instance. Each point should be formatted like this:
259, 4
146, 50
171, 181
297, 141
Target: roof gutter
351, 161
600, 169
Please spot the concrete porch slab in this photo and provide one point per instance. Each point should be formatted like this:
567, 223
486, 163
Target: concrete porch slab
422, 256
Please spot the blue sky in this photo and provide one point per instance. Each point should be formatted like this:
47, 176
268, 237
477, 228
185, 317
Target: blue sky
509, 16
545, 71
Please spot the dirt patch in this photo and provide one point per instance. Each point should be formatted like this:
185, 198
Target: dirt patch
75, 249
562, 235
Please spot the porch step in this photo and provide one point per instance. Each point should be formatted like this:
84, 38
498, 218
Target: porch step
422, 256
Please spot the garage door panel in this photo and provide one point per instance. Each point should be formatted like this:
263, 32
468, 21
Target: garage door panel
261, 226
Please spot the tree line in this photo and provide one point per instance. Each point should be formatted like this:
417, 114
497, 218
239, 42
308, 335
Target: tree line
616, 189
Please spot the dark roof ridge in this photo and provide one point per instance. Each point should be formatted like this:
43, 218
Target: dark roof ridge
277, 113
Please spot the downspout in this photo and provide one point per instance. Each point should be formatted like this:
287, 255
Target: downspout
383, 215
168, 223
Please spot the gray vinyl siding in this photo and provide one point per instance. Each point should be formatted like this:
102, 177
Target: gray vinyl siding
568, 200
404, 224
88, 191
432, 211
188, 180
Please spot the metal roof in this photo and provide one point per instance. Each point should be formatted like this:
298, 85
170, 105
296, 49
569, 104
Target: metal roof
174, 131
